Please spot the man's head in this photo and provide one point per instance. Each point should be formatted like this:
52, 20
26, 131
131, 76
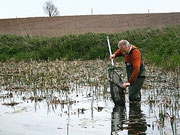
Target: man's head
124, 46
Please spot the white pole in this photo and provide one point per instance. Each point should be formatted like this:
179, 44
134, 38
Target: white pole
112, 62
91, 11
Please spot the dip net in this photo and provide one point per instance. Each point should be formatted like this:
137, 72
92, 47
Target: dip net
116, 89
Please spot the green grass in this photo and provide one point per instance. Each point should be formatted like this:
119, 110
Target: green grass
159, 46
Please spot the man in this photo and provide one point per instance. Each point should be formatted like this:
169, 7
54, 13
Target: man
134, 67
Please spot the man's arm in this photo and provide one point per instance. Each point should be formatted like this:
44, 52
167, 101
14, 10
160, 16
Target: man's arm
117, 53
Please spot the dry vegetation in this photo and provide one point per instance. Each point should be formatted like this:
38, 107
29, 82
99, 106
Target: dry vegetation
64, 25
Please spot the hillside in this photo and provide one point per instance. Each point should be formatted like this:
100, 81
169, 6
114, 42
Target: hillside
64, 25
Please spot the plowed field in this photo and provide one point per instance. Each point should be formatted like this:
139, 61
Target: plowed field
64, 25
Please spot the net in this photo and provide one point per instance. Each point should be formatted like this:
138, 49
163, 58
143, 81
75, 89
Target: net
116, 89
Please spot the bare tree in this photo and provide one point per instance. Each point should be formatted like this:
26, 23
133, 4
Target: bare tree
50, 9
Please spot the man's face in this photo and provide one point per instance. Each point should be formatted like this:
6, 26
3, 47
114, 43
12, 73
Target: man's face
124, 50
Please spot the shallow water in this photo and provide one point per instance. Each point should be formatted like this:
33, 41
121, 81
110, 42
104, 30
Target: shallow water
85, 109
82, 114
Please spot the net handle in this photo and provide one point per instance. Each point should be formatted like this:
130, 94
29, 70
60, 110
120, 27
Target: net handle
110, 52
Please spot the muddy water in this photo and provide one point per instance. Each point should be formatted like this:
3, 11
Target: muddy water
86, 108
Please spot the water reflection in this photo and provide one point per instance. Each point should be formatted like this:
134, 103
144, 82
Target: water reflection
118, 119
137, 122
134, 124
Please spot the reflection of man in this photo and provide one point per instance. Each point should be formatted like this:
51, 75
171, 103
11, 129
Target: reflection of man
137, 123
118, 118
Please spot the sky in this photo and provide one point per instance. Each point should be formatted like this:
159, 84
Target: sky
34, 8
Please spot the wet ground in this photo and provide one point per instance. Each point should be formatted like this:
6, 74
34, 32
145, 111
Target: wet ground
72, 98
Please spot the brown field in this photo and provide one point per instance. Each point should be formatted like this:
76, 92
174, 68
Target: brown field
64, 25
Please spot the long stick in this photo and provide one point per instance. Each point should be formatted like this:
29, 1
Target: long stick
112, 62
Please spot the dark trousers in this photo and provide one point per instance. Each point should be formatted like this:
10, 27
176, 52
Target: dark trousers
135, 89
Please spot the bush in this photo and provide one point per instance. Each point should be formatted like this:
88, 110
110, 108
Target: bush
160, 46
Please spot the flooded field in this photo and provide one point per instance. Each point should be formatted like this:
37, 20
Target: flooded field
73, 98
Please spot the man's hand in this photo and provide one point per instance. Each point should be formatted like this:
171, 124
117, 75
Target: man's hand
112, 56
126, 84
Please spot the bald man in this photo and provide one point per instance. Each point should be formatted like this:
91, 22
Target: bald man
134, 67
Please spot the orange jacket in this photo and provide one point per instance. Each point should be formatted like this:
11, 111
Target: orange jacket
133, 58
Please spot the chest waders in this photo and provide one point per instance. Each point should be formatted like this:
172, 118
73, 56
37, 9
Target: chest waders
134, 90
